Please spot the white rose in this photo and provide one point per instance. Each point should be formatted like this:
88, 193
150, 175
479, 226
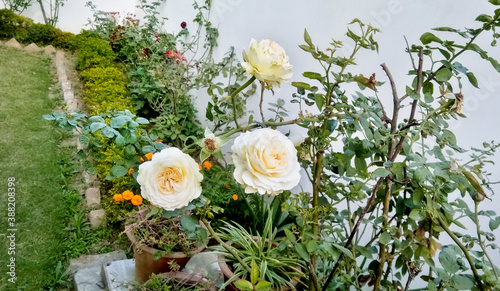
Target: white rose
265, 162
170, 180
267, 61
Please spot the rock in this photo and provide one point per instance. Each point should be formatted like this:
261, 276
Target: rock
96, 217
12, 43
89, 280
49, 50
95, 261
32, 49
66, 86
93, 197
207, 265
119, 275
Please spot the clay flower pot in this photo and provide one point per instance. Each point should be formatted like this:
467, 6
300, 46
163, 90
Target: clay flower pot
145, 266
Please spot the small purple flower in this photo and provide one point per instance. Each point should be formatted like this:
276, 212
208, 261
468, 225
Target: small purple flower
183, 24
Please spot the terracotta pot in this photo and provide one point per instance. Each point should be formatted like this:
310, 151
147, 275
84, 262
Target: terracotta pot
228, 272
145, 266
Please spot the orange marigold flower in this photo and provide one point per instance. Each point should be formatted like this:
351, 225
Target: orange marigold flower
127, 195
142, 160
130, 171
235, 197
149, 156
226, 185
158, 140
207, 165
118, 197
136, 200
199, 166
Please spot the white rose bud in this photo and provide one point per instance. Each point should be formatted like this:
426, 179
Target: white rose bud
170, 180
267, 61
265, 162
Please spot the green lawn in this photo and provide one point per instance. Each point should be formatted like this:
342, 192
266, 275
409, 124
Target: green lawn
29, 152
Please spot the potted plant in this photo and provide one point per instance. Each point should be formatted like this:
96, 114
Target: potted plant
163, 243
257, 262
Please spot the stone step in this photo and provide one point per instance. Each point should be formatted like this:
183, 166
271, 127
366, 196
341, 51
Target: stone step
93, 261
89, 279
119, 275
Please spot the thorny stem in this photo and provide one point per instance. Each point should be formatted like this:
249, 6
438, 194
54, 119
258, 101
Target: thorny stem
481, 243
383, 251
354, 230
233, 98
464, 249
262, 100
226, 246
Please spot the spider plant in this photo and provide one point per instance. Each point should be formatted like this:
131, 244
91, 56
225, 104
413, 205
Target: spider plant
274, 265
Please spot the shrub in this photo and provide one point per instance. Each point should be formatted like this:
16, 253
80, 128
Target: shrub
94, 53
45, 34
13, 25
101, 75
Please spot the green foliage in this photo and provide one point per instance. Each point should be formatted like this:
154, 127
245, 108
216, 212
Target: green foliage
45, 34
272, 264
94, 53
17, 6
13, 25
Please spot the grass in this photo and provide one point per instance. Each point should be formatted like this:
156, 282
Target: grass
29, 152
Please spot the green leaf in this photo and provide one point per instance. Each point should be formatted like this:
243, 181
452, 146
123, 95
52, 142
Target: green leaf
495, 64
345, 251
290, 236
96, 126
463, 282
428, 37
157, 255
360, 164
148, 149
495, 2
307, 38
313, 75
243, 285
364, 251
443, 75
484, 18
428, 90
381, 172
385, 238
302, 252
417, 214
120, 140
141, 120
320, 100
472, 79
331, 125
254, 274
494, 224
119, 122
118, 171
301, 85
189, 223
312, 246
263, 286
448, 260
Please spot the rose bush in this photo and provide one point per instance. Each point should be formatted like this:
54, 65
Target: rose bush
267, 61
265, 162
170, 180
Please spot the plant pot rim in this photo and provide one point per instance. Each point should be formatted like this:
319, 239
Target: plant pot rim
150, 250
